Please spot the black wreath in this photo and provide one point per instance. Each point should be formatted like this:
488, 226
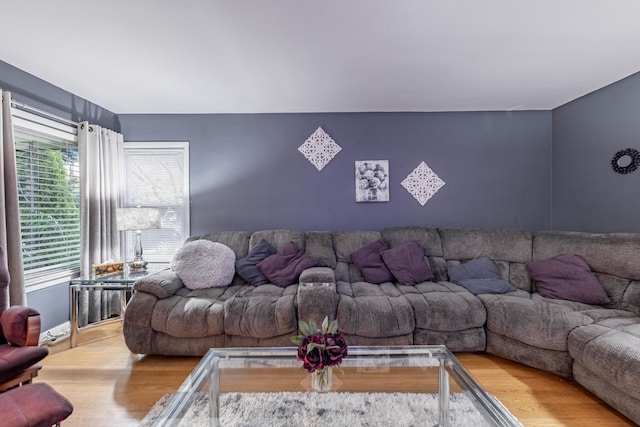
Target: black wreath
635, 160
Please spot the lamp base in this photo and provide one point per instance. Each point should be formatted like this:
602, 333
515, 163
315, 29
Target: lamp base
138, 264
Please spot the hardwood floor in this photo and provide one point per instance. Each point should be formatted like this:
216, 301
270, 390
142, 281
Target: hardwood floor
109, 386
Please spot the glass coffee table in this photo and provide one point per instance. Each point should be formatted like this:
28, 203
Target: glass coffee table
417, 370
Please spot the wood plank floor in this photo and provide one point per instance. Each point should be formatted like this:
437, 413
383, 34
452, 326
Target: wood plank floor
109, 386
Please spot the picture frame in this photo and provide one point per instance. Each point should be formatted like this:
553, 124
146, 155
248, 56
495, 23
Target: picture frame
372, 181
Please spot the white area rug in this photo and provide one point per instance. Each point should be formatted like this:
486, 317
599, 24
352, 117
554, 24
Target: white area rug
331, 409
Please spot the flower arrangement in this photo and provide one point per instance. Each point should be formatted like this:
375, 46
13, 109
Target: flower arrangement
320, 349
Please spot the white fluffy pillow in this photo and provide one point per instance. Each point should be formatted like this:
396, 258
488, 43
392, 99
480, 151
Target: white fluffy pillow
204, 264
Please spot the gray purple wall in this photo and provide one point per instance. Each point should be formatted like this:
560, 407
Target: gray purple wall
587, 194
31, 90
499, 167
247, 174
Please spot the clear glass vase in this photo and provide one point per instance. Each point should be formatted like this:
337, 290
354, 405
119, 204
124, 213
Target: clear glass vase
322, 380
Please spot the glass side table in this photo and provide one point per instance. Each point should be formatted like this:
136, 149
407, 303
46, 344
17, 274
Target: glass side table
121, 282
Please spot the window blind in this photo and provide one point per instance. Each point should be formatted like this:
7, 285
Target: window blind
156, 175
49, 198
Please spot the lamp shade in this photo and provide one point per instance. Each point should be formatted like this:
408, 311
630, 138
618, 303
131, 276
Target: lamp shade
137, 218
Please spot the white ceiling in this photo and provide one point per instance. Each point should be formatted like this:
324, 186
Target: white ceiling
246, 56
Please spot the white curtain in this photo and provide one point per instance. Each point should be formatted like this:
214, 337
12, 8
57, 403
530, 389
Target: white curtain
9, 210
101, 167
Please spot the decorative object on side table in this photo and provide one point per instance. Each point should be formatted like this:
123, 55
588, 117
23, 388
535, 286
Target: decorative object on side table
372, 180
108, 267
320, 350
137, 219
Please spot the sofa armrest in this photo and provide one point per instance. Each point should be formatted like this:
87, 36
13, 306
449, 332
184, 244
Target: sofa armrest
162, 284
21, 326
317, 296
318, 275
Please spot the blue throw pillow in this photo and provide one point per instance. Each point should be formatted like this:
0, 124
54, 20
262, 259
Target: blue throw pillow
247, 267
480, 276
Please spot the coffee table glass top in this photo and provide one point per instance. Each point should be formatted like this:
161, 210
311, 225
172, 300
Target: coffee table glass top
398, 369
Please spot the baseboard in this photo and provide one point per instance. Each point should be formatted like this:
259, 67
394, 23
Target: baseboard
56, 334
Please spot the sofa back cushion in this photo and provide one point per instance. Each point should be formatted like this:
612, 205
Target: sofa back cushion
278, 238
320, 248
509, 249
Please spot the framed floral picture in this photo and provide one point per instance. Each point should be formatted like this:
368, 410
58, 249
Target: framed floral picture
372, 180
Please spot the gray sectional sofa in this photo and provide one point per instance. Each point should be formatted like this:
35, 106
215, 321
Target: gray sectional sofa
598, 346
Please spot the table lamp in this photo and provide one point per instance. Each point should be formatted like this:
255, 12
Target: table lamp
137, 219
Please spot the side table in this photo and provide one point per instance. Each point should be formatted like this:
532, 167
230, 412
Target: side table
121, 281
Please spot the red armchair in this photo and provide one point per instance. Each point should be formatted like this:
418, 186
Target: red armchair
19, 336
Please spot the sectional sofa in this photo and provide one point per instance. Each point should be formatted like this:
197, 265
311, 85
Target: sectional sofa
597, 345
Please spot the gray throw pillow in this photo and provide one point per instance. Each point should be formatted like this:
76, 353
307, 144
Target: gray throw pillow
204, 264
480, 276
567, 277
247, 267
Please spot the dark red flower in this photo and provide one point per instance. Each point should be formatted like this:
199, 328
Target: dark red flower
336, 347
326, 347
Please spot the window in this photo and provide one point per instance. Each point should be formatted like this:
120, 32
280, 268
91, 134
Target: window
157, 175
49, 198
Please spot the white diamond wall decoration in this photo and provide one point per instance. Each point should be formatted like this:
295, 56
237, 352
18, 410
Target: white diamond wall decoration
422, 183
319, 148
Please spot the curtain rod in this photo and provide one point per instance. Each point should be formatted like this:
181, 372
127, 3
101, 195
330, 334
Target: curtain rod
43, 113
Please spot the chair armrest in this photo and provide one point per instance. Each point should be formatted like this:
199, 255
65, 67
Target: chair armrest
21, 326
162, 284
317, 296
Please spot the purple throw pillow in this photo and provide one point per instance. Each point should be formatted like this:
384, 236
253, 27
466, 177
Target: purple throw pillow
567, 277
285, 266
370, 263
407, 264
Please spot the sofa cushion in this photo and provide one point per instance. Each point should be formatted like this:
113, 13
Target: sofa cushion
487, 286
373, 311
285, 266
444, 306
480, 276
204, 264
567, 277
262, 312
407, 263
247, 267
610, 350
369, 261
535, 323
